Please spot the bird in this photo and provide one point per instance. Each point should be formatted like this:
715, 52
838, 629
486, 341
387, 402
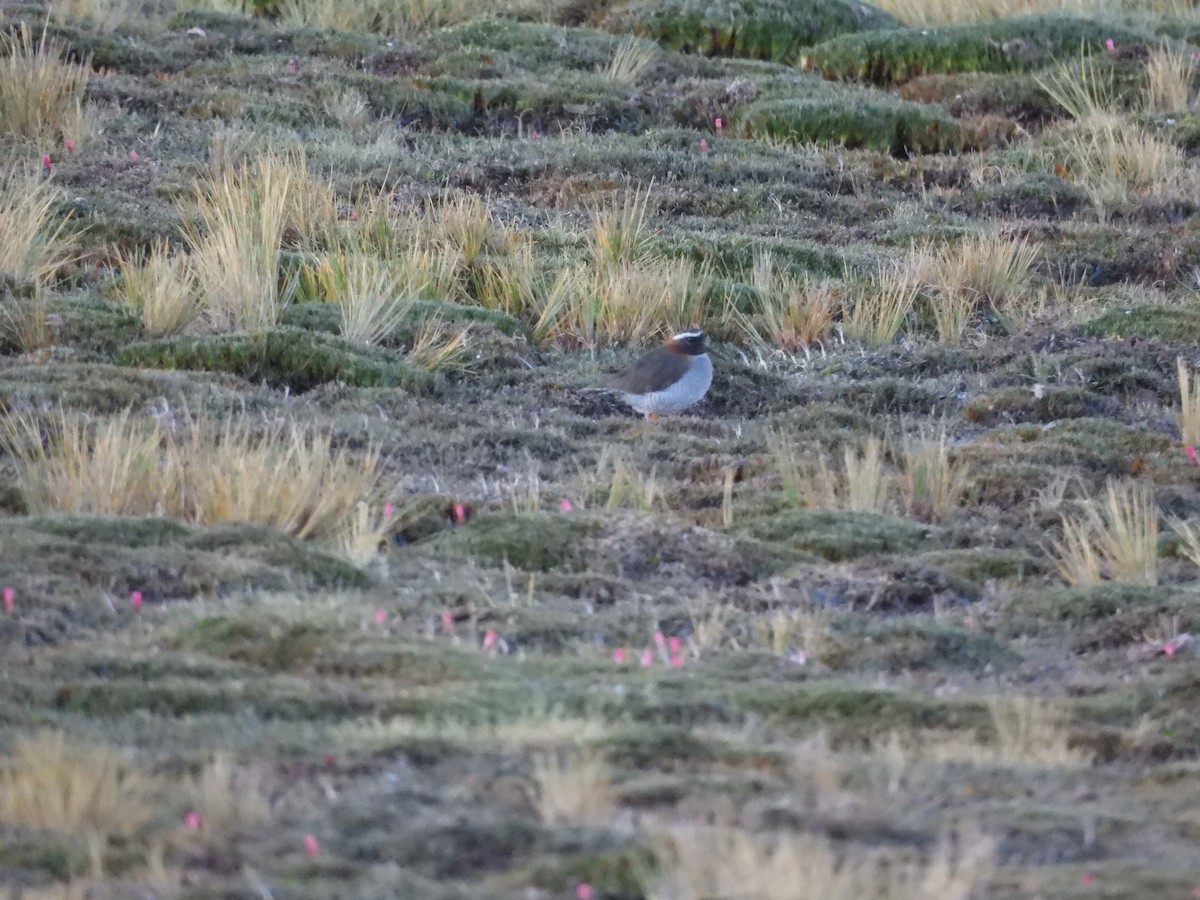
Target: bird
666, 380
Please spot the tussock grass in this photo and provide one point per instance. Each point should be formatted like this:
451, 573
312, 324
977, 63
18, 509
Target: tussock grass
235, 252
438, 348
947, 12
1033, 731
792, 312
983, 273
27, 320
41, 93
1104, 150
702, 861
205, 472
880, 307
1189, 539
861, 484
630, 61
1083, 87
1116, 538
373, 294
101, 15
394, 19
159, 285
616, 483
460, 223
34, 243
1189, 405
52, 783
1170, 80
620, 234
631, 302
931, 482
573, 787
230, 799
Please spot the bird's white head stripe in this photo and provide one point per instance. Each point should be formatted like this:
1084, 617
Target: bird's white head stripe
687, 335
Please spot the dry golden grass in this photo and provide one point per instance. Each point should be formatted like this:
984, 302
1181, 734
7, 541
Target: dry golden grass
945, 12
79, 789
879, 308
34, 243
701, 862
395, 19
365, 531
311, 215
616, 483
461, 223
630, 303
206, 472
1107, 152
1115, 539
229, 798
1084, 86
573, 787
630, 61
161, 288
537, 730
41, 94
101, 15
438, 347
235, 254
792, 312
860, 484
1170, 80
1032, 731
1189, 405
798, 628
931, 483
373, 294
620, 234
28, 320
983, 273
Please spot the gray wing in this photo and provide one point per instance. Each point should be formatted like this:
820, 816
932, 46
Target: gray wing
655, 371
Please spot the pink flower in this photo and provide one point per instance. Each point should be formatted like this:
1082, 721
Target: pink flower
1169, 648
193, 820
292, 65
673, 645
354, 215
46, 164
70, 145
619, 655
565, 505
310, 846
447, 622
489, 639
1088, 877
1191, 454
1112, 47
459, 513
703, 145
329, 759
533, 135
135, 600
718, 123
676, 660
9, 600
647, 658
380, 616
659, 639
584, 892
133, 154
389, 510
